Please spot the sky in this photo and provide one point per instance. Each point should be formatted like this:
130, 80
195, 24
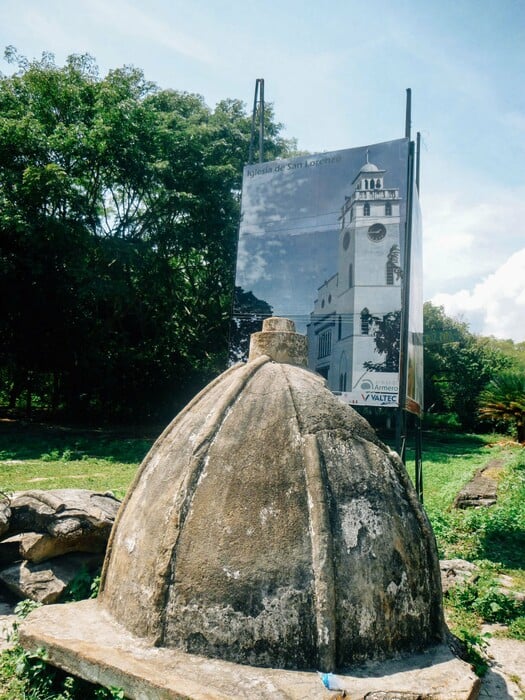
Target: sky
337, 72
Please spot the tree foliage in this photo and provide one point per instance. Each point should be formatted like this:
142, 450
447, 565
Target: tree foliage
458, 365
119, 206
502, 402
387, 334
249, 313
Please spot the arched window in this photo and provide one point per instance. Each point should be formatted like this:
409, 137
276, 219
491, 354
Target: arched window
372, 185
350, 275
388, 209
366, 184
378, 184
366, 209
365, 321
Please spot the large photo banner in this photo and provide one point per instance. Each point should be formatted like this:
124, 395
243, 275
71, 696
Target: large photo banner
320, 242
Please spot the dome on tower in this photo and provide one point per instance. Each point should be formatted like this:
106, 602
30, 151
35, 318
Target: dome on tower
369, 168
269, 526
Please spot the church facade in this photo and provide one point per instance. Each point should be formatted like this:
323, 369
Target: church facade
353, 331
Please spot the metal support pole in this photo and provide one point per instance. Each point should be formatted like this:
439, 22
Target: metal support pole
419, 432
401, 423
258, 100
408, 114
419, 460
405, 305
418, 154
401, 433
261, 120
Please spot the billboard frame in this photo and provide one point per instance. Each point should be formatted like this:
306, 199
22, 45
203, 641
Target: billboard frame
413, 180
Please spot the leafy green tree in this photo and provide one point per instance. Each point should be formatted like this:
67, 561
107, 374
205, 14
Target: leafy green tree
387, 335
248, 315
119, 207
514, 351
502, 402
457, 366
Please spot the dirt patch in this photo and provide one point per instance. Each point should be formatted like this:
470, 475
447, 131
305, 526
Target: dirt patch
70, 476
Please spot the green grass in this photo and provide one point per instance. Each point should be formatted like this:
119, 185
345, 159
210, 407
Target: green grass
42, 457
449, 462
493, 537
495, 533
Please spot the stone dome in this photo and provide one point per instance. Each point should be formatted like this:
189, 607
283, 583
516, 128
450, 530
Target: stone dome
269, 526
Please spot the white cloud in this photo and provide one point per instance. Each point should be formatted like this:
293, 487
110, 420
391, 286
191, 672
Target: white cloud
495, 306
469, 229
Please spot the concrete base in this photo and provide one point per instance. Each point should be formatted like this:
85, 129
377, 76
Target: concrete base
83, 639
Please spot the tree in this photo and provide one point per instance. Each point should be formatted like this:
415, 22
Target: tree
457, 365
387, 336
503, 402
119, 207
248, 315
514, 351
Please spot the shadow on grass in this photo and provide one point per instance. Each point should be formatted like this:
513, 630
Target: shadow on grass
503, 547
440, 446
25, 441
452, 444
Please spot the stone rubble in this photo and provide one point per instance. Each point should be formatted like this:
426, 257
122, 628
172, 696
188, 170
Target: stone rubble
48, 537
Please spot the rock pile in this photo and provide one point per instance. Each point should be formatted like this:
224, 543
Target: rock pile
48, 537
482, 489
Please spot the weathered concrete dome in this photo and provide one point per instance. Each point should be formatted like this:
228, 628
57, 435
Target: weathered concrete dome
269, 526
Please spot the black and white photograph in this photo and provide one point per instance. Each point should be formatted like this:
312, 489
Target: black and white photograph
321, 243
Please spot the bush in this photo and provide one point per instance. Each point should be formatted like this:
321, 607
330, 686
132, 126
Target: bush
517, 628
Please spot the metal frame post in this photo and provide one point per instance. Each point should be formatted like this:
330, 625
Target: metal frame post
258, 100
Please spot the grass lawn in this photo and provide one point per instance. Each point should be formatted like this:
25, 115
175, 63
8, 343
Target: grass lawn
496, 533
50, 457
450, 460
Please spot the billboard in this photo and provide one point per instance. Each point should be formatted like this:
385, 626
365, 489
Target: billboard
321, 242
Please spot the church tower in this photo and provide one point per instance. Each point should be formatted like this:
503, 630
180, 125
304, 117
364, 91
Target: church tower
367, 285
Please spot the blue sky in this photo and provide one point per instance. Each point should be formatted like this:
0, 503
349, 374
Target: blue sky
337, 72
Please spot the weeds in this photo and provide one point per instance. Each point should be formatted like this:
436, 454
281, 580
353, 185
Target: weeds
476, 649
84, 585
495, 534
26, 675
517, 629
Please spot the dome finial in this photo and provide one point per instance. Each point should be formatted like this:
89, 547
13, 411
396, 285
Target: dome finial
280, 342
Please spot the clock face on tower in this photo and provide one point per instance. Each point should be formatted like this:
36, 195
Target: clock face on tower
376, 232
